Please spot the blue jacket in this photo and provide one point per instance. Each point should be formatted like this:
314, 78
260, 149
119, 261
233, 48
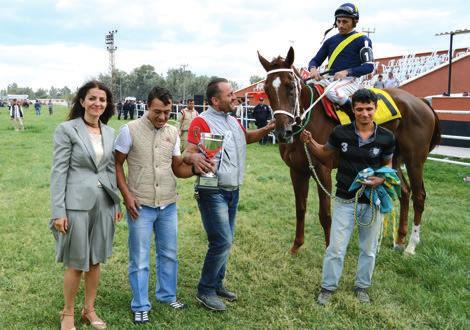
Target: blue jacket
348, 59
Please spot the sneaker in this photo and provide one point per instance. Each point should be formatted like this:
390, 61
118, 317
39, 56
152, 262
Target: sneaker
324, 297
177, 305
141, 317
211, 302
361, 295
224, 293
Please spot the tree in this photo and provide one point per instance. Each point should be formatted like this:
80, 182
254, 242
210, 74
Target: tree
13, 88
235, 85
142, 80
54, 93
41, 93
255, 79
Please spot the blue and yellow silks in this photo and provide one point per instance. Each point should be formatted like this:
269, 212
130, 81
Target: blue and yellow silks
382, 195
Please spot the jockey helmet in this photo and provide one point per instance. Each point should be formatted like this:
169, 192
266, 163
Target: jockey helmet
347, 10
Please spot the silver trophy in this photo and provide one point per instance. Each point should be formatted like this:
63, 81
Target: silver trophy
211, 145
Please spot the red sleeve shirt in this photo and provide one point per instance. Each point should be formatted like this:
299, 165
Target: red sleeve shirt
198, 125
241, 126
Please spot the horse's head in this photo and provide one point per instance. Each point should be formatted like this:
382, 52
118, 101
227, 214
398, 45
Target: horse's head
282, 86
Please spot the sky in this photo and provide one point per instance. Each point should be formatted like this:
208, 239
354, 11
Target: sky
58, 43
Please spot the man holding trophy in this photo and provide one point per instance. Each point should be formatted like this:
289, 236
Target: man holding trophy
217, 150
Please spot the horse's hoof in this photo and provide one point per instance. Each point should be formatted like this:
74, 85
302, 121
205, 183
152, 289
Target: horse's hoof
294, 250
409, 252
398, 247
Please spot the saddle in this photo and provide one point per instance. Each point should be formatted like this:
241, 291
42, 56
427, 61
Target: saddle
387, 109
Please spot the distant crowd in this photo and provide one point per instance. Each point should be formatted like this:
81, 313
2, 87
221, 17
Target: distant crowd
15, 109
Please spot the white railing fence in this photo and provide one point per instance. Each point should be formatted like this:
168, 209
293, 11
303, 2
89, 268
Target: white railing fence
452, 137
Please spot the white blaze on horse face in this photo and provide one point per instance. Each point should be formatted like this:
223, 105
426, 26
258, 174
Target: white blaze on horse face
276, 85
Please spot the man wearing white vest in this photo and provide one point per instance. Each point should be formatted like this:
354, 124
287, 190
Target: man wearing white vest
218, 206
152, 149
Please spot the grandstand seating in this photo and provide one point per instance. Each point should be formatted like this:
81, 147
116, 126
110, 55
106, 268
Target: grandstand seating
411, 66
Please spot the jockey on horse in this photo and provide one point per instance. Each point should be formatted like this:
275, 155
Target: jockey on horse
349, 57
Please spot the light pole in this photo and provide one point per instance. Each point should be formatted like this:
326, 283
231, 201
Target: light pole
183, 70
111, 48
451, 33
368, 31
120, 87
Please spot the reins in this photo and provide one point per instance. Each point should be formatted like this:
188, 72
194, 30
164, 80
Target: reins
298, 89
304, 121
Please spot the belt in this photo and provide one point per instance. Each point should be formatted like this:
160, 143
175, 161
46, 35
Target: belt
231, 188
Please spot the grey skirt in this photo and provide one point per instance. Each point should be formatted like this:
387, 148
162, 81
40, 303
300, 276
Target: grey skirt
89, 238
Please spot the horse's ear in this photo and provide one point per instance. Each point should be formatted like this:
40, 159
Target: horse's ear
290, 57
264, 62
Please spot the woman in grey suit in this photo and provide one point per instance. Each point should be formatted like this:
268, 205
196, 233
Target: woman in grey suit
84, 195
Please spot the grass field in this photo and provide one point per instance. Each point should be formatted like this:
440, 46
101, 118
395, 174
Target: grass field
427, 291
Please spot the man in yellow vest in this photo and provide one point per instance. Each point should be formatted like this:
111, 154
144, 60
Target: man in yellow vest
349, 57
185, 118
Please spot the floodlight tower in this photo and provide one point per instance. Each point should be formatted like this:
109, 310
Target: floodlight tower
451, 51
111, 48
368, 31
183, 71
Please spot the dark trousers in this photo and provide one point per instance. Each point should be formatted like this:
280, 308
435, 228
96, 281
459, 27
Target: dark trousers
218, 209
259, 125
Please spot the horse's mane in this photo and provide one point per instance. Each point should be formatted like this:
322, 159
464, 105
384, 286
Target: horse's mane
278, 62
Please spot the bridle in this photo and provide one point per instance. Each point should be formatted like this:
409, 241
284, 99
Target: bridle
297, 86
298, 117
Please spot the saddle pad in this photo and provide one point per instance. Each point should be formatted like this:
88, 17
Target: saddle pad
387, 109
327, 104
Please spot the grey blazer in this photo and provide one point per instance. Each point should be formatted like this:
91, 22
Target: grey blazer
75, 173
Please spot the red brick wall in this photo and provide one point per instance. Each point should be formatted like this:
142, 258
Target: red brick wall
452, 103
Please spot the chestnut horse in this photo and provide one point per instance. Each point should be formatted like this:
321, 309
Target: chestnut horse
416, 133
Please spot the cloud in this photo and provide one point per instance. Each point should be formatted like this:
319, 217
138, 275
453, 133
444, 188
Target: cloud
39, 66
64, 45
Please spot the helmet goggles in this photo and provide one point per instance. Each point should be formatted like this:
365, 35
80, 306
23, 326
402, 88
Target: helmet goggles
347, 10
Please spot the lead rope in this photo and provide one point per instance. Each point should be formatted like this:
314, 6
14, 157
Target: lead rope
354, 200
304, 124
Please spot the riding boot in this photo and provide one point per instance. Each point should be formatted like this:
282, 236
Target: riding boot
347, 107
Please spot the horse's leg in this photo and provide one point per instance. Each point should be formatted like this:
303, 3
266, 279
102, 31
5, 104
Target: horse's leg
300, 182
324, 212
399, 245
415, 174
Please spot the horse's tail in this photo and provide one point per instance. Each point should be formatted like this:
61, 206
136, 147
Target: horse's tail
436, 134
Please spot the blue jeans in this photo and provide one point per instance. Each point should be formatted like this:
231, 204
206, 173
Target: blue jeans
342, 226
218, 209
164, 224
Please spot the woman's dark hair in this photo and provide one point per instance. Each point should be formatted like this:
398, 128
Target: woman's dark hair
78, 111
160, 93
213, 88
364, 95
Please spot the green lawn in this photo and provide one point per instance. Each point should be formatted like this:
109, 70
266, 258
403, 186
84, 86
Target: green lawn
429, 290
